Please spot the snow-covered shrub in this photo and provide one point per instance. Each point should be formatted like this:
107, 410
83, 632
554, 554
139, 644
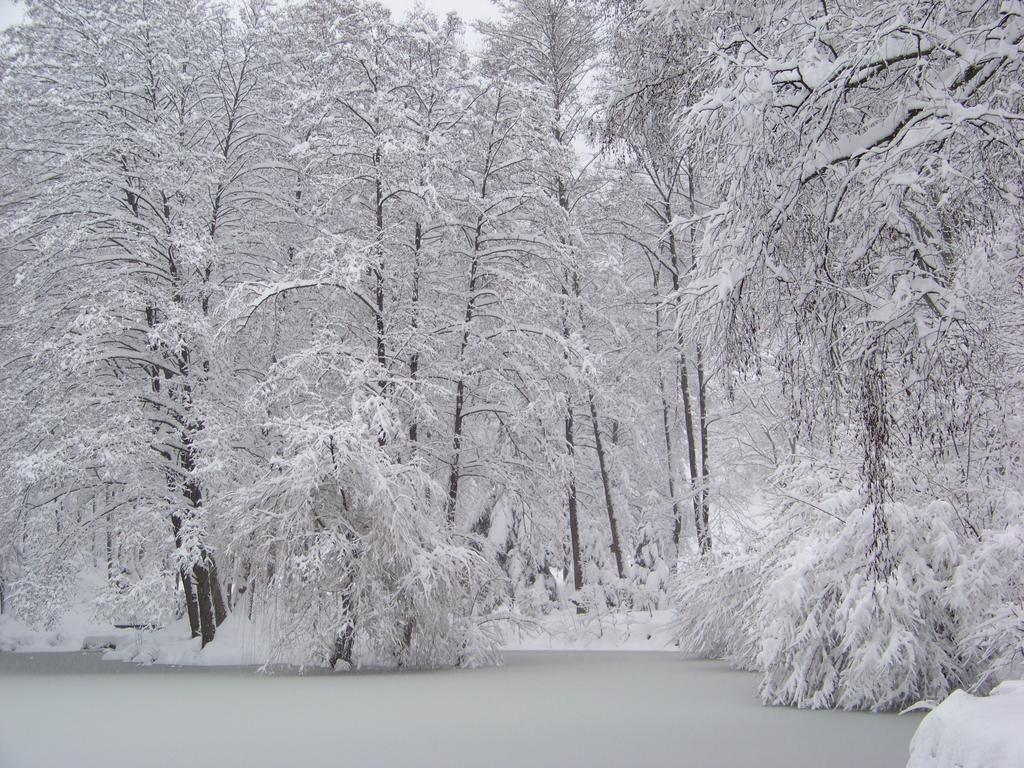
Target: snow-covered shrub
374, 578
149, 598
842, 632
534, 599
42, 593
829, 620
349, 558
40, 579
649, 577
988, 590
716, 600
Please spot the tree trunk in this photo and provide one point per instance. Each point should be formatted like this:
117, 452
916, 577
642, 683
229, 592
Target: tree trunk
876, 435
344, 640
606, 485
110, 553
345, 637
207, 621
691, 451
453, 477
414, 358
219, 608
574, 524
191, 604
378, 271
705, 470
666, 421
684, 392
208, 592
666, 425
703, 518
460, 387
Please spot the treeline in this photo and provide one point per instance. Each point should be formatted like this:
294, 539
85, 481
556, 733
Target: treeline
317, 316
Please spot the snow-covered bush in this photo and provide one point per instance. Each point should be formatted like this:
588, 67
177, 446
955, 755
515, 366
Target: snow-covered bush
988, 591
361, 570
842, 632
649, 578
348, 556
716, 598
833, 623
855, 248
148, 598
829, 617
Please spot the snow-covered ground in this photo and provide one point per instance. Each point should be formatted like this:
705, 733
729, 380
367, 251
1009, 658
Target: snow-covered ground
568, 631
967, 731
539, 709
68, 635
241, 642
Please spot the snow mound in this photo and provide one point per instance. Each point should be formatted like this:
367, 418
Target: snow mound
15, 635
238, 642
67, 634
967, 731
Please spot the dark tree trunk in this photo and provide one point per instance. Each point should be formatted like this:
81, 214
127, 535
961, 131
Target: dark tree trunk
220, 611
208, 592
414, 358
345, 637
379, 284
875, 469
571, 282
344, 640
242, 585
701, 501
460, 386
666, 425
453, 477
251, 601
691, 452
207, 621
666, 421
110, 553
684, 393
574, 523
191, 603
408, 632
705, 469
606, 485
200, 570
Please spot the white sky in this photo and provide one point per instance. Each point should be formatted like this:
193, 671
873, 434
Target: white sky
11, 11
469, 10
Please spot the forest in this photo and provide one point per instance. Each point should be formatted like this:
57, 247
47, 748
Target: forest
384, 333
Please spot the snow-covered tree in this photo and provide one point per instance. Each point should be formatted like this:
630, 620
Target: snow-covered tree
864, 167
313, 318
